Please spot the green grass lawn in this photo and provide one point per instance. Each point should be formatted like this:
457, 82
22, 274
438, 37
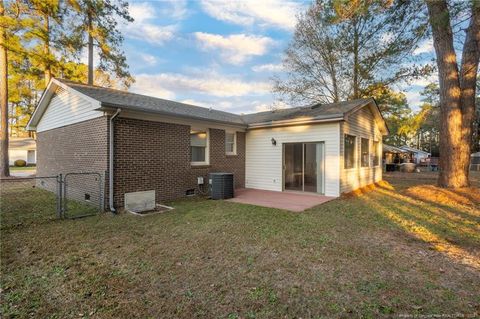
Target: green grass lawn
406, 248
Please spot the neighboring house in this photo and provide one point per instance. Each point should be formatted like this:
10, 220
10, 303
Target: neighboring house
23, 148
475, 161
418, 156
395, 155
165, 146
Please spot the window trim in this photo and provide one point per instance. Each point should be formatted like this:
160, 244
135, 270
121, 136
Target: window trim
376, 153
361, 152
207, 147
234, 143
354, 152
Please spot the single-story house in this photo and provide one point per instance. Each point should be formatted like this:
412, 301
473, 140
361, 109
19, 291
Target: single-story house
145, 143
395, 155
22, 148
418, 156
475, 161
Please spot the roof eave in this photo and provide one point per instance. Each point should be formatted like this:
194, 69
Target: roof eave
333, 118
111, 107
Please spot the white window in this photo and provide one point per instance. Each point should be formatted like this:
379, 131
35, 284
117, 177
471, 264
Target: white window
365, 152
230, 143
349, 151
376, 154
199, 147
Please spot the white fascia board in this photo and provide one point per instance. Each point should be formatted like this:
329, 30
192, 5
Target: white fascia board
294, 122
42, 105
45, 100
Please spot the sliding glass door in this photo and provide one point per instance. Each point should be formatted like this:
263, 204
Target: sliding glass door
304, 167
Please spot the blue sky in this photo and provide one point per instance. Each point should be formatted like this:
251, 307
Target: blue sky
219, 54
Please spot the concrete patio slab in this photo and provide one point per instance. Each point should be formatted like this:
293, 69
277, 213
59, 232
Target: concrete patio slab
296, 202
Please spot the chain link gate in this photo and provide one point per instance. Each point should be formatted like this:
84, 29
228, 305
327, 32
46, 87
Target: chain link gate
82, 194
26, 200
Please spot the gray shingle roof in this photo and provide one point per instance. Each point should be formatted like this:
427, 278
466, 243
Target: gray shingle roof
317, 111
137, 102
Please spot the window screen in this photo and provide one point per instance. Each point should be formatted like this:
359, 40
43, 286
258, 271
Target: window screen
349, 151
230, 143
198, 146
365, 149
376, 154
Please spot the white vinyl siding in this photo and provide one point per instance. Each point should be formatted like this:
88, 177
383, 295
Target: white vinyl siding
362, 125
67, 108
14, 155
264, 161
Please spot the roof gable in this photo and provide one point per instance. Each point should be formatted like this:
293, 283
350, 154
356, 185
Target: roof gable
47, 96
377, 115
110, 99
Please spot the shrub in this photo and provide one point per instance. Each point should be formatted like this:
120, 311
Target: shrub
20, 163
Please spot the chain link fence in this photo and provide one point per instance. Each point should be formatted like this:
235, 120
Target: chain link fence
32, 200
29, 200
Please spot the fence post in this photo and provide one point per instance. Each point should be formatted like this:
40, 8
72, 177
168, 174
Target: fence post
59, 197
65, 194
100, 193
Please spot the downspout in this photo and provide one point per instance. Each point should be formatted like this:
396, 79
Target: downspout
110, 163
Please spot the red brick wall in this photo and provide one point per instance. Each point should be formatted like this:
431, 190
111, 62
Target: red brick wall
148, 155
80, 147
76, 148
152, 155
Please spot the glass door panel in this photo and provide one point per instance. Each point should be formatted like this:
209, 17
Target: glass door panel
304, 167
293, 166
310, 167
320, 154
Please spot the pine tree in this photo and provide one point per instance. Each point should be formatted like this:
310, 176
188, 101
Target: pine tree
98, 27
457, 89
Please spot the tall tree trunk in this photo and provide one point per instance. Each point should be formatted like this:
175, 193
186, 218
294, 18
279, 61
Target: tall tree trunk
356, 91
468, 83
46, 50
4, 169
454, 92
90, 49
333, 76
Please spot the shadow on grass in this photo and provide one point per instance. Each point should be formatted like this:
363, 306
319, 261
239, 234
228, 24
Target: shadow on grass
453, 230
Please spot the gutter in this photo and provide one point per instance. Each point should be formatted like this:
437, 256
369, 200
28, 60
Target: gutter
108, 106
110, 162
294, 122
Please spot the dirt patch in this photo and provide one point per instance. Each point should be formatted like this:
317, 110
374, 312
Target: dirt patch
158, 209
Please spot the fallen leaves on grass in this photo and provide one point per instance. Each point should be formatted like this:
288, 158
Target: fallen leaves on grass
469, 196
